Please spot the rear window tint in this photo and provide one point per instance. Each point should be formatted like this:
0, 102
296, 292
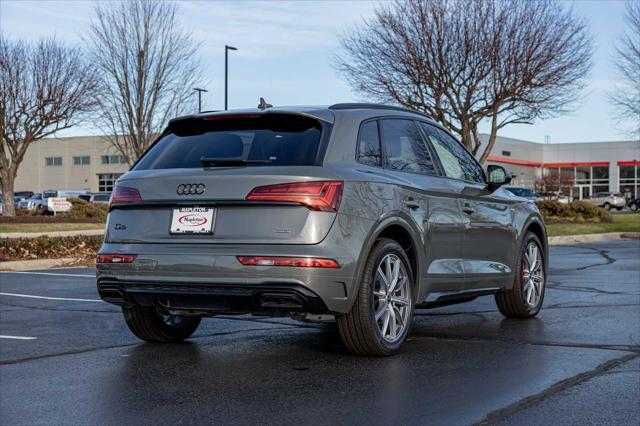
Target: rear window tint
369, 144
281, 139
405, 148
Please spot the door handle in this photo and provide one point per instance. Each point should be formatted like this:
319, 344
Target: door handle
468, 209
411, 203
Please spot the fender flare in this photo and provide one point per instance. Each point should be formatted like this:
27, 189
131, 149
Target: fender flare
405, 221
534, 218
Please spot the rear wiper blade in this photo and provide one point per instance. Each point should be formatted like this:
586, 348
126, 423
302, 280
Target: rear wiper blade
222, 162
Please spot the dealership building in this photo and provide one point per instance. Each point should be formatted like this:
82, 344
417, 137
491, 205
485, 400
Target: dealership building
581, 169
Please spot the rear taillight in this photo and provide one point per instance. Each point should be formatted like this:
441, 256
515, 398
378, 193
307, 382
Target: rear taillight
300, 262
122, 194
322, 196
115, 258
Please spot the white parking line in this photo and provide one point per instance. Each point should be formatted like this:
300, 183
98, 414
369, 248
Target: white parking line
48, 273
18, 337
31, 296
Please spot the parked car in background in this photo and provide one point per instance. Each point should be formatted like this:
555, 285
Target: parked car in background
634, 204
21, 195
71, 193
32, 203
554, 196
608, 200
99, 197
355, 213
523, 192
38, 200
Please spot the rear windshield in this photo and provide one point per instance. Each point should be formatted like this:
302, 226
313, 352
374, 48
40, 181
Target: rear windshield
269, 139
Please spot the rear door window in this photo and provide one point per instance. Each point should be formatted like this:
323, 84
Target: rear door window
268, 139
404, 148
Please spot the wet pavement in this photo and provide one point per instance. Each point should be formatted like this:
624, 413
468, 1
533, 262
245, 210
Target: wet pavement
578, 362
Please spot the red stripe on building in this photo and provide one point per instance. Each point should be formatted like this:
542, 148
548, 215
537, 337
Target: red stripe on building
578, 164
539, 164
629, 163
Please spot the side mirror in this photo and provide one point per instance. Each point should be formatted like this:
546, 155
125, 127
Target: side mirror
498, 176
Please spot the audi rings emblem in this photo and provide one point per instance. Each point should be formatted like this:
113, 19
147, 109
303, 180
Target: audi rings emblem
190, 189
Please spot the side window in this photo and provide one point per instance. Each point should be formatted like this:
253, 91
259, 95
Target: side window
456, 161
404, 147
369, 144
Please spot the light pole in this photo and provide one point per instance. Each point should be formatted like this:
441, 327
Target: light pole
226, 74
200, 97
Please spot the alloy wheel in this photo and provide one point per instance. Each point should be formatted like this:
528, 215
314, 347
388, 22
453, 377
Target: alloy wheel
532, 275
392, 299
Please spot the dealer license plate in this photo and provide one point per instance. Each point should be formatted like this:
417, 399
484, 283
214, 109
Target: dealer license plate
193, 220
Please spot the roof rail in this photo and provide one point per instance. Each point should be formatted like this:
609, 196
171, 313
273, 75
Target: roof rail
376, 106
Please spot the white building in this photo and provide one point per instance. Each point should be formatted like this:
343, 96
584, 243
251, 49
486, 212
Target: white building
581, 169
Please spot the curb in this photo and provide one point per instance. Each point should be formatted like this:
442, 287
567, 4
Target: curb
87, 232
31, 265
592, 238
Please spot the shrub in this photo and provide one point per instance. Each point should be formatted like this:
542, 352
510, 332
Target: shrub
82, 209
578, 211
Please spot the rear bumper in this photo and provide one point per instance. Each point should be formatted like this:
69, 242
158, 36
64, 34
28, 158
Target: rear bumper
271, 298
211, 274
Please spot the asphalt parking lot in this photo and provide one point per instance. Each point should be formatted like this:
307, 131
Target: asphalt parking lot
68, 358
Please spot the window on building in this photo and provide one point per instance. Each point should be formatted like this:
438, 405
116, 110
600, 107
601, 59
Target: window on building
404, 148
53, 161
577, 182
583, 174
113, 159
629, 180
83, 160
601, 173
369, 144
106, 181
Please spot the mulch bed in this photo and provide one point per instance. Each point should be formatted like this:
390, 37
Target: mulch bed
46, 219
82, 247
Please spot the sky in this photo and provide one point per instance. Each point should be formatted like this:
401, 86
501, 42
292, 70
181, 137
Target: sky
286, 52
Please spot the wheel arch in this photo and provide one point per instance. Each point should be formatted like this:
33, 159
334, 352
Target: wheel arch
403, 231
536, 226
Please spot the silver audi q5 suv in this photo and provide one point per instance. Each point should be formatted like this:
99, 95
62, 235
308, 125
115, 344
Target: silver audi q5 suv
357, 213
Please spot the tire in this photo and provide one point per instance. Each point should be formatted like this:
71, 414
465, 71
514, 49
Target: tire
359, 329
607, 206
634, 207
147, 324
514, 303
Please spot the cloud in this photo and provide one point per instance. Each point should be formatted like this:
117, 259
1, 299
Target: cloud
271, 29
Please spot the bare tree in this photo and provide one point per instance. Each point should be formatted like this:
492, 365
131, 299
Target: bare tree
147, 67
626, 96
552, 180
467, 62
44, 87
